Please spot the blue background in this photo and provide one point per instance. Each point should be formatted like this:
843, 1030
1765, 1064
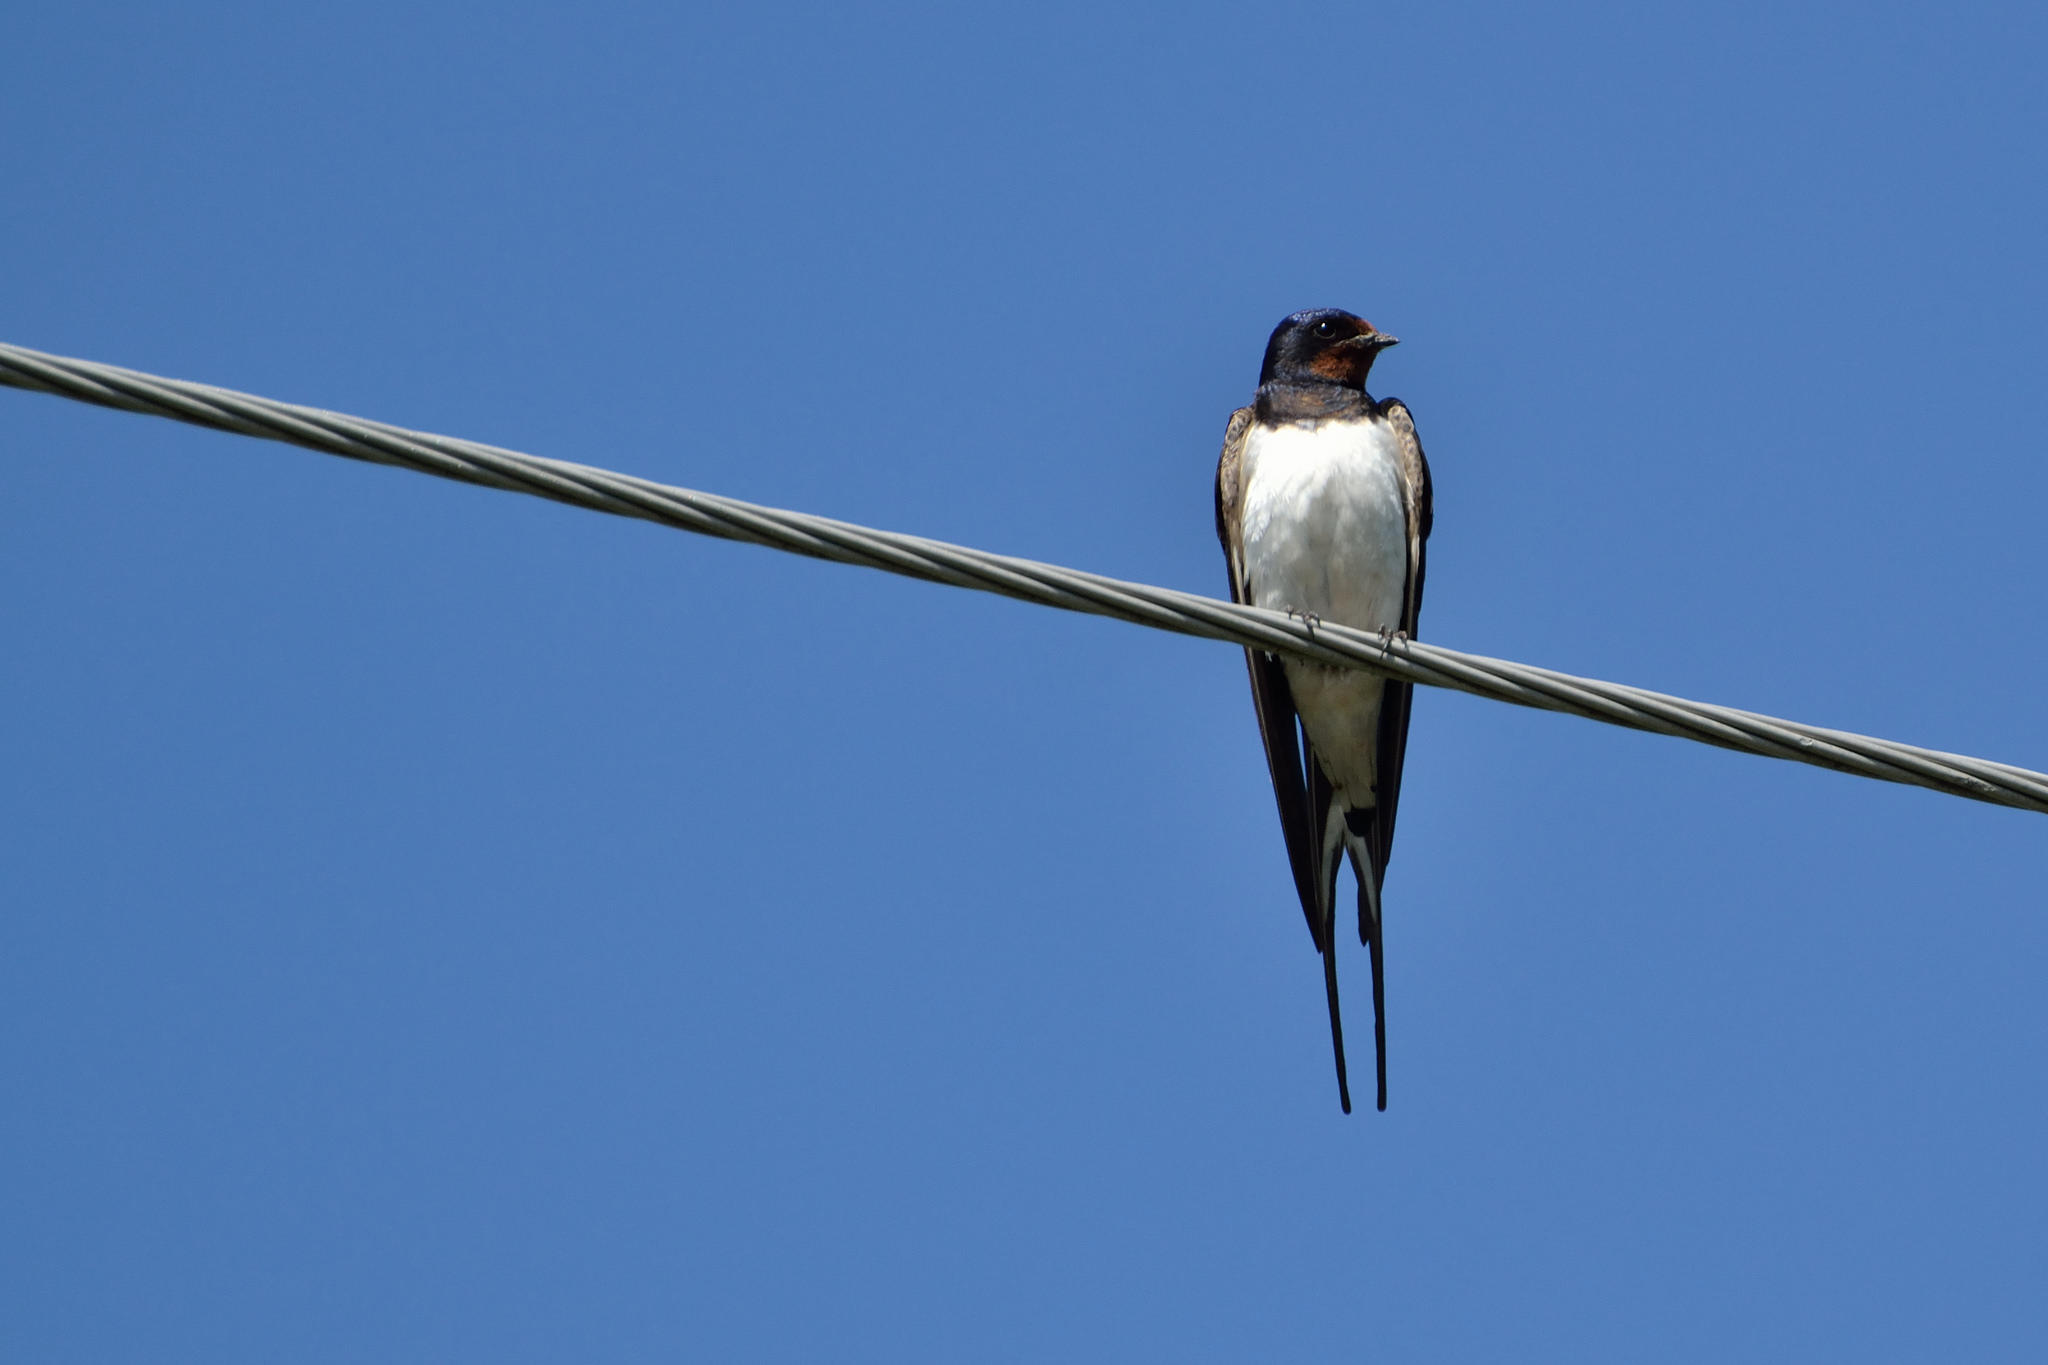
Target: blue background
445, 925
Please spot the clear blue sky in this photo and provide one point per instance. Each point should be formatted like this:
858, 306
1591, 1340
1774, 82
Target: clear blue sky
443, 925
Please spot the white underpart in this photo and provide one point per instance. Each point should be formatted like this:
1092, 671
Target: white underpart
1326, 532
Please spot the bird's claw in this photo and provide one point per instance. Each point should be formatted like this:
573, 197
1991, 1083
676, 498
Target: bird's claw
1307, 618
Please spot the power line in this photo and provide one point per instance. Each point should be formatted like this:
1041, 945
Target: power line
1051, 585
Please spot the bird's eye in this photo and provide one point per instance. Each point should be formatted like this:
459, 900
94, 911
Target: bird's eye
1326, 329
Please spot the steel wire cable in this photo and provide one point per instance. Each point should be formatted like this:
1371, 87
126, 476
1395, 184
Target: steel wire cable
1049, 585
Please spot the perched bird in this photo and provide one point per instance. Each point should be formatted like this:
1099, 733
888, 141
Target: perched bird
1323, 508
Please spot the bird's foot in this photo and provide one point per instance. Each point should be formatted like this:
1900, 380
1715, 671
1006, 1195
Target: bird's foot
1307, 618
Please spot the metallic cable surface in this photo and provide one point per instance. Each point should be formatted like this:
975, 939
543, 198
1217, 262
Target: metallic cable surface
1047, 584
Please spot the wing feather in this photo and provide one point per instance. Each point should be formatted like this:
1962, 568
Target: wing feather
1279, 727
1399, 698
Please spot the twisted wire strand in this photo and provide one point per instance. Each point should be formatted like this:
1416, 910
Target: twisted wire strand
1051, 585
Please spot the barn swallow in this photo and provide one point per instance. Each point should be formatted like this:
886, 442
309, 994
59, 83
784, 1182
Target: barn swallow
1323, 508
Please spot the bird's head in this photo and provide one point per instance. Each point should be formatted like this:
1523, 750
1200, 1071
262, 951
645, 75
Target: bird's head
1323, 346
